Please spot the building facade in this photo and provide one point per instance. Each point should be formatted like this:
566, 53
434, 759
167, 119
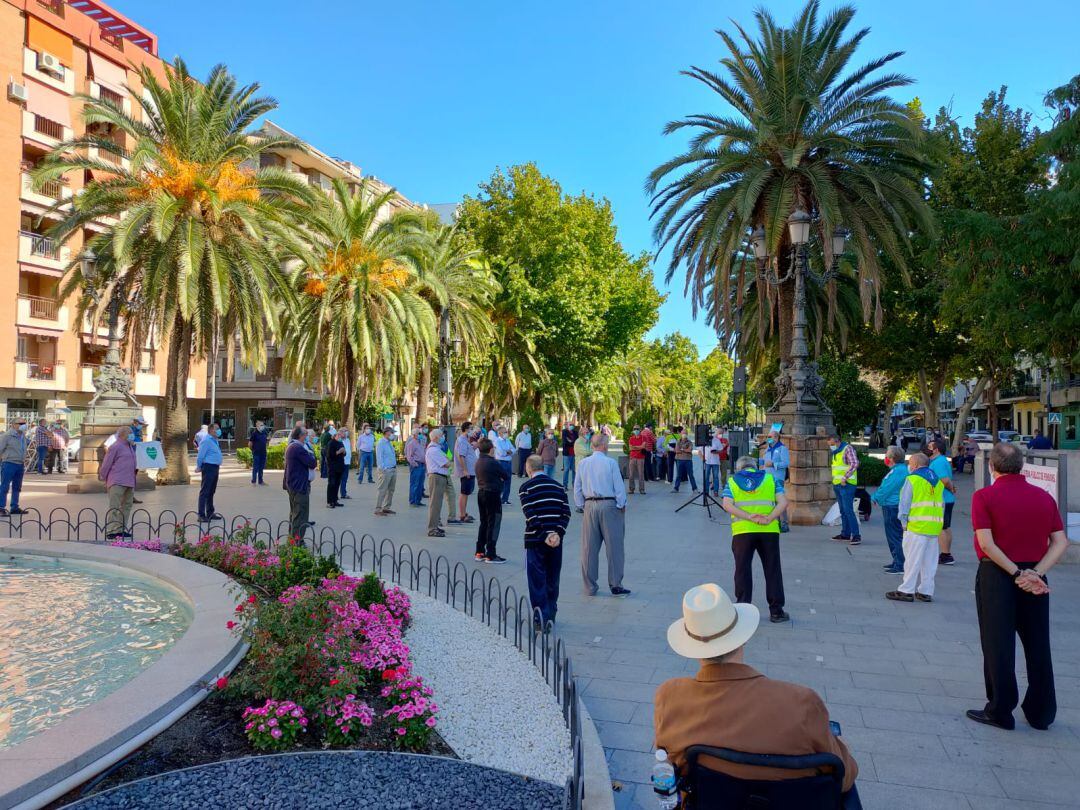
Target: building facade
50, 52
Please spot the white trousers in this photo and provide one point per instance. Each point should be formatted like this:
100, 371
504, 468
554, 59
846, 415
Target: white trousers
920, 563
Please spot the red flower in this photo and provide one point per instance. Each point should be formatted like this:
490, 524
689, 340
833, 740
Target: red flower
251, 599
230, 625
240, 608
390, 675
253, 572
333, 681
222, 683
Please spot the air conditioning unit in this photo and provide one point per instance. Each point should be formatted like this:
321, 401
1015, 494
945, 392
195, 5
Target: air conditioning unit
46, 61
17, 92
43, 338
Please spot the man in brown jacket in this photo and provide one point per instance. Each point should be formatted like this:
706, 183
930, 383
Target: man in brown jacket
729, 704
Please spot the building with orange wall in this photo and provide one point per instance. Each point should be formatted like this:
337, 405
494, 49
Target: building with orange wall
51, 51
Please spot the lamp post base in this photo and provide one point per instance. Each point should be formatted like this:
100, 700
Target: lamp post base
96, 428
809, 486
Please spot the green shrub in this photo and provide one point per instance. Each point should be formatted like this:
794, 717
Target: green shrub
531, 417
872, 471
370, 591
640, 417
275, 456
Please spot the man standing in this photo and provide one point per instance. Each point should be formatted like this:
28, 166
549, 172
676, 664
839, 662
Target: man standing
523, 441
365, 445
41, 446
257, 440
1019, 537
844, 462
490, 476
547, 514
599, 491
649, 446
887, 496
414, 457
671, 440
1040, 442
438, 472
334, 455
504, 454
921, 512
637, 459
208, 462
777, 460
548, 451
299, 464
12, 466
346, 442
61, 432
465, 470
684, 462
57, 448
386, 461
118, 472
138, 425
939, 463
328, 433
568, 436
755, 500
711, 454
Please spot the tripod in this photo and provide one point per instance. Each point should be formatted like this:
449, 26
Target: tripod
707, 500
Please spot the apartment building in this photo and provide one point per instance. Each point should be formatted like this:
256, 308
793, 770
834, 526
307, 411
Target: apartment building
51, 50
244, 395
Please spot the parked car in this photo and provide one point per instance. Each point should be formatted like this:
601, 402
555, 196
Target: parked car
912, 436
981, 436
1008, 435
278, 437
73, 449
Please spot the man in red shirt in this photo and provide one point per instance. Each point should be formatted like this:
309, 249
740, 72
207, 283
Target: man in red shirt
637, 459
649, 445
1018, 537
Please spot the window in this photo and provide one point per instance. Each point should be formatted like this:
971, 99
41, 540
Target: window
147, 361
227, 420
1071, 420
265, 414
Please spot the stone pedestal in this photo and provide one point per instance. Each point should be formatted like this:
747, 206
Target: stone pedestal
809, 487
92, 452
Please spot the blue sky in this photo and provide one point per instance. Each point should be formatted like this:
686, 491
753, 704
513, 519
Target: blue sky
432, 96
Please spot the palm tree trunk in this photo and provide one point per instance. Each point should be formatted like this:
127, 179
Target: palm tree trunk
348, 405
786, 316
174, 423
422, 391
886, 427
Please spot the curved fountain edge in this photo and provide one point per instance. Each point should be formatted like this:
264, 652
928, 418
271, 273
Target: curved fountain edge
45, 766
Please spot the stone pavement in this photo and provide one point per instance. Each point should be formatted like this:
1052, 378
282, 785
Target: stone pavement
897, 676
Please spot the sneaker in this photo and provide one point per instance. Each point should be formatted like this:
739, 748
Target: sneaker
899, 596
855, 541
437, 533
946, 559
841, 537
468, 519
620, 591
479, 556
496, 560
3, 512
389, 512
893, 569
780, 616
922, 597
380, 512
15, 510
454, 521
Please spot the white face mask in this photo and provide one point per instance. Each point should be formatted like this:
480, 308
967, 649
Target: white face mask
332, 431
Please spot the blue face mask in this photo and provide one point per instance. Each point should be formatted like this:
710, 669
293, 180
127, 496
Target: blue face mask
771, 440
218, 433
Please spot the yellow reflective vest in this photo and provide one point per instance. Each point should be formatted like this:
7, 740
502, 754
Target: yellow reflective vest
927, 514
839, 467
760, 501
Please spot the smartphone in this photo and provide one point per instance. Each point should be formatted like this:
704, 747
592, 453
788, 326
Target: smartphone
834, 727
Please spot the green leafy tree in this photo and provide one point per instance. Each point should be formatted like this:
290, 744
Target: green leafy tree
852, 400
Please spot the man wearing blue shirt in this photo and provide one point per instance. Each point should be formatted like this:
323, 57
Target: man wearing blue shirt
208, 462
940, 466
386, 461
887, 496
365, 446
777, 460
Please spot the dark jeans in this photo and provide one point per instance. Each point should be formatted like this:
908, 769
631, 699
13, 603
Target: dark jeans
649, 472
712, 478
366, 462
344, 482
522, 455
333, 485
894, 534
299, 506
543, 567
207, 489
490, 506
845, 496
11, 477
767, 545
506, 465
670, 458
1006, 612
568, 473
258, 464
416, 484
685, 470
851, 800
42, 451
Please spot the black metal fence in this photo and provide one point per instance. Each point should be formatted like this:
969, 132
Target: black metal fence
501, 608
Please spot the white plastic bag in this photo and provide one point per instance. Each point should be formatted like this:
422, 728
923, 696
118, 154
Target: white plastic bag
832, 517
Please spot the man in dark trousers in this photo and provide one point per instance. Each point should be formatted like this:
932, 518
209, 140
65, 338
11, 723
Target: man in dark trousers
257, 440
755, 500
334, 453
1019, 537
547, 514
299, 462
569, 436
490, 477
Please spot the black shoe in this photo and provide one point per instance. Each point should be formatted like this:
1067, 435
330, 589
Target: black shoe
3, 512
496, 560
781, 616
135, 500
454, 521
17, 511
437, 533
980, 716
347, 497
946, 559
841, 537
620, 591
900, 596
855, 541
922, 597
893, 569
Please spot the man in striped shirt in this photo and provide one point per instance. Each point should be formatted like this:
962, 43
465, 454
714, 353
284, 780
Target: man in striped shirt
547, 514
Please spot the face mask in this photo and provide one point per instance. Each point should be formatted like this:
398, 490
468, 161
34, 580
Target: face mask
771, 440
832, 448
258, 426
888, 462
131, 439
637, 432
22, 428
367, 431
526, 429
332, 432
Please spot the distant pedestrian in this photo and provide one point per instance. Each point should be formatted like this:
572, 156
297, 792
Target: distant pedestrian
887, 496
12, 466
138, 426
346, 441
939, 463
258, 437
329, 432
599, 491
118, 472
365, 445
414, 457
636, 468
524, 443
713, 473
921, 513
548, 451
648, 438
684, 462
1040, 442
775, 462
671, 439
1019, 537
504, 454
386, 461
844, 465
57, 450
41, 445
568, 436
208, 463
465, 470
200, 435
299, 467
547, 514
490, 477
333, 453
438, 473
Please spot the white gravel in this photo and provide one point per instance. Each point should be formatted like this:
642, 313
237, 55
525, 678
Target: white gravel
495, 708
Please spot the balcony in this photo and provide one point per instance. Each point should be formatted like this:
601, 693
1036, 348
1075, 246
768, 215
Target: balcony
86, 376
109, 156
43, 130
290, 390
1013, 393
34, 373
34, 248
65, 82
42, 311
1064, 392
119, 100
47, 195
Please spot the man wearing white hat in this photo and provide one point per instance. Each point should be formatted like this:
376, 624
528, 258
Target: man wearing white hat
729, 704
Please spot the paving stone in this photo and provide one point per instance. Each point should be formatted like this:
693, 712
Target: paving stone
856, 696
604, 709
938, 773
625, 736
1039, 786
620, 690
881, 796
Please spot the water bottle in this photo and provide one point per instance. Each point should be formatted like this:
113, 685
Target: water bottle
663, 780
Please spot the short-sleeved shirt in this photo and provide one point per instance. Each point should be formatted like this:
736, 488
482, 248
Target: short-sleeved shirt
637, 446
1020, 515
940, 466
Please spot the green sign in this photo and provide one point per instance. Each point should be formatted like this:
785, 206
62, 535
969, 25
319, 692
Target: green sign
387, 416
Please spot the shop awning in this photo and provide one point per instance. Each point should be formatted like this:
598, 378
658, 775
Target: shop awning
37, 330
43, 37
49, 103
108, 73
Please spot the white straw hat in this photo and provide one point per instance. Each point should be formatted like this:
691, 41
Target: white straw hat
711, 624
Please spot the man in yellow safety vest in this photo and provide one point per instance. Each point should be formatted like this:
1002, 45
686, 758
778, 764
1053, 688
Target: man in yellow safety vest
921, 513
755, 500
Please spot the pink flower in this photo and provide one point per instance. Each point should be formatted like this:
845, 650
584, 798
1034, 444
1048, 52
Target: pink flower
276, 733
222, 682
430, 722
230, 625
400, 732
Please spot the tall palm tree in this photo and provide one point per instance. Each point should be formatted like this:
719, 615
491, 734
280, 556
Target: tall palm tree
200, 225
805, 132
360, 323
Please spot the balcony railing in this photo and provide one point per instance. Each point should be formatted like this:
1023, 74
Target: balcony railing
42, 246
36, 370
111, 96
46, 126
46, 309
115, 40
1018, 391
1061, 385
55, 6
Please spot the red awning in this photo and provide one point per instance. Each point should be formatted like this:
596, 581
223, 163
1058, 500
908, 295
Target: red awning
108, 73
49, 103
37, 330
41, 271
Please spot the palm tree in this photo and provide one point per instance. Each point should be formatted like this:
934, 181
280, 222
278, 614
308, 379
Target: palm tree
200, 225
360, 324
806, 133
